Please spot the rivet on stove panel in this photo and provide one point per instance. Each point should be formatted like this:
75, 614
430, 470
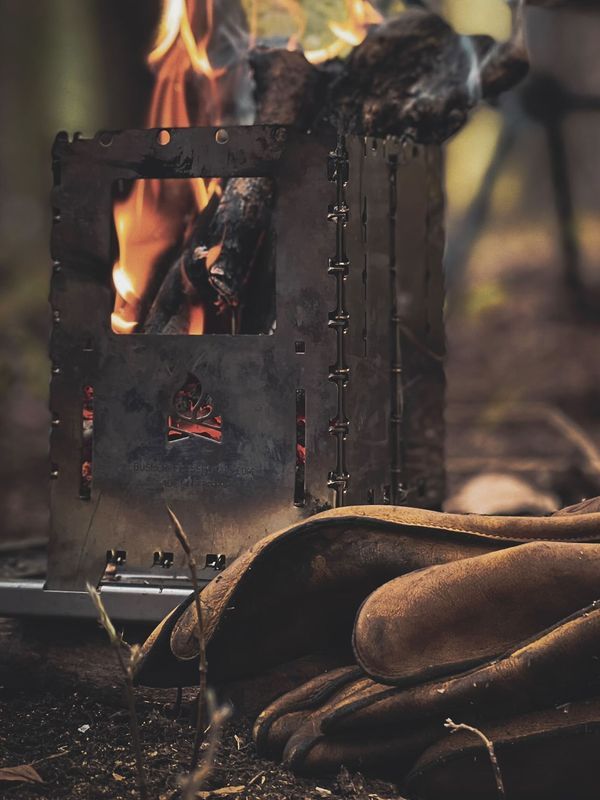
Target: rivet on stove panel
221, 136
56, 316
55, 421
163, 137
56, 265
56, 369
54, 472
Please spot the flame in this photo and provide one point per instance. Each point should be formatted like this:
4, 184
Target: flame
360, 15
197, 320
155, 215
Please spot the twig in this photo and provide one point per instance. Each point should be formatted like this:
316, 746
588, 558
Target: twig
453, 727
218, 717
50, 758
128, 668
202, 663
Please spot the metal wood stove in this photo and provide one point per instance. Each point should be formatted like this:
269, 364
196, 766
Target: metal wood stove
213, 425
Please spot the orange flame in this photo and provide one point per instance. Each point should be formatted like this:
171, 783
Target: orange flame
197, 319
360, 14
154, 217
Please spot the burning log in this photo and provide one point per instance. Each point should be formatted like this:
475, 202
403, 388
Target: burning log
217, 260
289, 90
235, 235
411, 76
184, 283
415, 76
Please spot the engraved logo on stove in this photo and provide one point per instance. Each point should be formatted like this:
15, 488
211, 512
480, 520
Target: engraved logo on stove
192, 414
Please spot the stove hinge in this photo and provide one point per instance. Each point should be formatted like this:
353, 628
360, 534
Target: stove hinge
338, 169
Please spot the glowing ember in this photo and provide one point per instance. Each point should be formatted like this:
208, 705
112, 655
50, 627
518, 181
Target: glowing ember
197, 320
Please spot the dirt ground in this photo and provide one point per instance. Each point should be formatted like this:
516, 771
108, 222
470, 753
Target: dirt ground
63, 710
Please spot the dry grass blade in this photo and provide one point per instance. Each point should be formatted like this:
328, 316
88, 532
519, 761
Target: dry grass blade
202, 663
24, 772
196, 779
461, 726
225, 791
127, 666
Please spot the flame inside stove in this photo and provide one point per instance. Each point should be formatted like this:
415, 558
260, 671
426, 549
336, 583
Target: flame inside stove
154, 217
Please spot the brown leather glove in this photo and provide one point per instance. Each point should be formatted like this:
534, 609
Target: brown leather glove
330, 720
439, 592
297, 592
443, 620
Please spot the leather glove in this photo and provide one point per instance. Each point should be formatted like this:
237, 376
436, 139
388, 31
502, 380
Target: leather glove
297, 592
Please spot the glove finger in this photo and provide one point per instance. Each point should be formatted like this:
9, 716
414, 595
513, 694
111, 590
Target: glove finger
489, 604
274, 725
547, 755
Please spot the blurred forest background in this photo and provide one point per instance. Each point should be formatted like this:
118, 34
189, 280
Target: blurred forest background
523, 289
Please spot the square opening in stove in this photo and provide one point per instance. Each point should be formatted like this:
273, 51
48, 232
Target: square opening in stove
178, 268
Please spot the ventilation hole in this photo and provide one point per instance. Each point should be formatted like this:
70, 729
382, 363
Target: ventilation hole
300, 347
116, 557
87, 443
300, 476
164, 560
216, 561
193, 414
163, 137
387, 494
105, 139
371, 497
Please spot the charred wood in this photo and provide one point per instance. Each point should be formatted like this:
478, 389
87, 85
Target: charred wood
217, 260
415, 76
235, 234
288, 89
185, 281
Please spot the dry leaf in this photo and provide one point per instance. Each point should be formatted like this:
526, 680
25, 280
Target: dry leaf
226, 790
323, 792
25, 773
118, 777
